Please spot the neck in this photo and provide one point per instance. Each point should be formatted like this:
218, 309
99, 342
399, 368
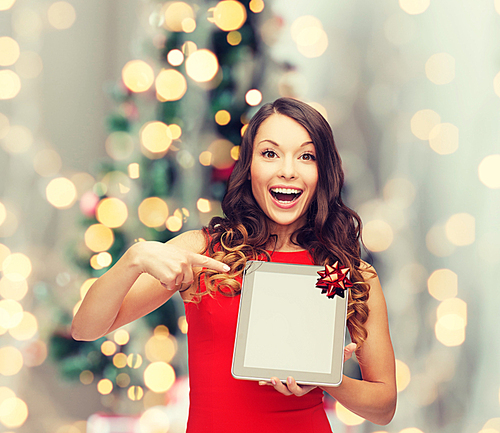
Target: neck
283, 238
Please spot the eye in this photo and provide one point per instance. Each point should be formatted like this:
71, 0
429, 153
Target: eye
269, 154
308, 157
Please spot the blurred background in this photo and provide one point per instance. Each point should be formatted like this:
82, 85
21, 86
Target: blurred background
120, 122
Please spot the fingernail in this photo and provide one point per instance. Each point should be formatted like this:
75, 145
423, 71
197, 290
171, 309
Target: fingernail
273, 382
226, 268
261, 382
289, 380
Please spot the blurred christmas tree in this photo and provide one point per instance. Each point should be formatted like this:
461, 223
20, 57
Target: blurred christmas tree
173, 140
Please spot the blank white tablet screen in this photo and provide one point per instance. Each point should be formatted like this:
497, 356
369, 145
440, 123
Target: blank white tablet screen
290, 325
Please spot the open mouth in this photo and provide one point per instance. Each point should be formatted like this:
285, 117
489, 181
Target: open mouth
285, 195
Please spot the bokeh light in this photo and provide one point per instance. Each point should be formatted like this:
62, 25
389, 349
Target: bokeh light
443, 284
377, 235
26, 328
489, 171
153, 212
135, 393
108, 348
423, 122
15, 290
134, 360
202, 65
9, 51
11, 361
170, 85
307, 31
220, 151
29, 65
451, 322
233, 38
85, 287
35, 353
399, 193
496, 84
99, 238
61, 15
86, 377
414, 7
138, 76
177, 13
205, 158
156, 137
11, 313
134, 170
175, 131
116, 184
13, 412
123, 380
18, 139
61, 193
16, 267
346, 416
6, 4
3, 214
203, 205
121, 337
183, 325
159, 376
440, 68
10, 84
102, 260
47, 162
256, 6
222, 117
119, 145
112, 212
229, 15
443, 138
403, 375
437, 242
411, 430
253, 97
104, 386
120, 360
461, 229
175, 57
154, 420
173, 223
161, 348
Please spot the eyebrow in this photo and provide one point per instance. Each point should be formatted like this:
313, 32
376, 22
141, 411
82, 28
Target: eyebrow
276, 144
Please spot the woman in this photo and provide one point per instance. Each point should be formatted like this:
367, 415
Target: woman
283, 204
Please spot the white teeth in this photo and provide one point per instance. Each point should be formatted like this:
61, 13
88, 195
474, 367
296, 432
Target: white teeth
286, 190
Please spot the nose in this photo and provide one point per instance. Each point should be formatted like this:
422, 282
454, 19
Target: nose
287, 169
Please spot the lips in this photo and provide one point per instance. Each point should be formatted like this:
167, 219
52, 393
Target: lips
285, 195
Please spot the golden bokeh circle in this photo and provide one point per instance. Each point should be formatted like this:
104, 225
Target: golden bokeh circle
13, 412
99, 238
11, 361
170, 85
61, 15
10, 84
489, 171
61, 193
138, 76
153, 212
16, 267
112, 212
156, 136
159, 376
9, 51
202, 65
229, 15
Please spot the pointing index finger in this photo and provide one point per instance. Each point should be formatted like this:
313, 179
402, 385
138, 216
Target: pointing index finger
207, 262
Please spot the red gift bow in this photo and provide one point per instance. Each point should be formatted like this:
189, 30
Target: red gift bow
334, 281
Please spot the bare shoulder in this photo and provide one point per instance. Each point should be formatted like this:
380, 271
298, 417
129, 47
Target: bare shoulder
368, 271
192, 240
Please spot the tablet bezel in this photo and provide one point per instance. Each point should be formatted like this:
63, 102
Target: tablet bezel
240, 371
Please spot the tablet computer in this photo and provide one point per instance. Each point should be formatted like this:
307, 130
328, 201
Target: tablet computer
288, 327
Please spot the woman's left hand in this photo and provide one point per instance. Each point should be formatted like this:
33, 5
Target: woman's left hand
292, 388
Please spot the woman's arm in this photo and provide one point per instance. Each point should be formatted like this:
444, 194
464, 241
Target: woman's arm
144, 278
374, 397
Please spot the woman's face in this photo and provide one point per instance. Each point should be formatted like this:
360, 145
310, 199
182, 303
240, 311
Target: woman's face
283, 172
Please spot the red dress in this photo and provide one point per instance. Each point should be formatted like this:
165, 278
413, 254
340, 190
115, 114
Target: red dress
221, 404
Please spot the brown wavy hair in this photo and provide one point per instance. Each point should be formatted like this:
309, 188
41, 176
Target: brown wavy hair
332, 231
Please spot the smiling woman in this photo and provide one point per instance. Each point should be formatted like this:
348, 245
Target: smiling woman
283, 204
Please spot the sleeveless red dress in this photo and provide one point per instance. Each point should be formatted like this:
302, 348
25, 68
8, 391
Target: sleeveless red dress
221, 404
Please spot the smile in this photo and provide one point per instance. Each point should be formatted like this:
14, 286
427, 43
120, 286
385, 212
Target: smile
285, 195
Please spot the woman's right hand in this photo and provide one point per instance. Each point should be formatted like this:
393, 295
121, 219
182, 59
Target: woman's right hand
170, 264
